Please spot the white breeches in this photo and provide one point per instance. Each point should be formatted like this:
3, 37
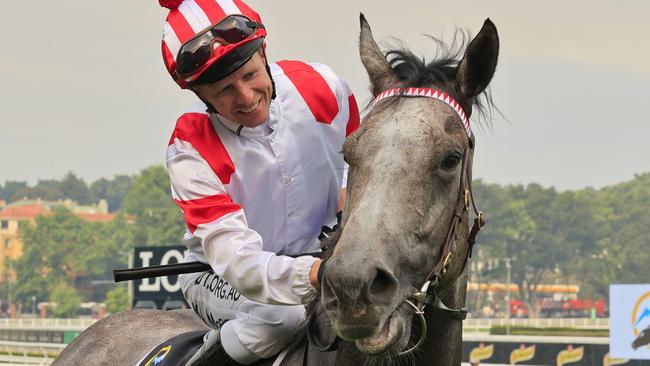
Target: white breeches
254, 330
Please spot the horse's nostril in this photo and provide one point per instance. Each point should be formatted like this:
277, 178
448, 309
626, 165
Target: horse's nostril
383, 287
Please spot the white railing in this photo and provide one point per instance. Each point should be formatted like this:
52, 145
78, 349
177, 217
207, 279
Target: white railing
473, 323
599, 323
28, 353
47, 324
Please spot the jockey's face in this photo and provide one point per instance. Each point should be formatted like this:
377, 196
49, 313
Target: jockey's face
243, 96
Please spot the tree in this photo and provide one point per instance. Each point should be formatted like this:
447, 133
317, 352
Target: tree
45, 190
624, 256
117, 300
76, 189
159, 221
59, 247
66, 299
10, 188
113, 191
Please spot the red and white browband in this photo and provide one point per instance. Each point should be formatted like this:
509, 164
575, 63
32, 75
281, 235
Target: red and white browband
429, 93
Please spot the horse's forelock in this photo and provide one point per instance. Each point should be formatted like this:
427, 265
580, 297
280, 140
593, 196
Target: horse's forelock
415, 71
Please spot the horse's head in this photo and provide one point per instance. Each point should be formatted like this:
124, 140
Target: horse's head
409, 163
642, 339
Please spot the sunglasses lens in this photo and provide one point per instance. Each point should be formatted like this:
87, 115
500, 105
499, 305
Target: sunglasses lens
197, 52
233, 30
194, 54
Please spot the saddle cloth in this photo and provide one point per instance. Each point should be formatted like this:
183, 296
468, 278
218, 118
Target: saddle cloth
178, 350
175, 351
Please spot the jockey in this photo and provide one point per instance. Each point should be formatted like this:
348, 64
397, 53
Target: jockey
257, 170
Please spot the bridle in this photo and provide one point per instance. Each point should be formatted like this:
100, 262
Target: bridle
427, 295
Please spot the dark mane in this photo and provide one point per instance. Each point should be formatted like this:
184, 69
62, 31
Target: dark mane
415, 71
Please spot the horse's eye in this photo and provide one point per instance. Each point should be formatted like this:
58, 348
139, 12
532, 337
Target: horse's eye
450, 161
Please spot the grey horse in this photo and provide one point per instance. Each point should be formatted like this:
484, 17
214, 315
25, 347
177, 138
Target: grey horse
405, 227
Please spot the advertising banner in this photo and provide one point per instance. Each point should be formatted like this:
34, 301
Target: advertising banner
162, 292
542, 354
629, 321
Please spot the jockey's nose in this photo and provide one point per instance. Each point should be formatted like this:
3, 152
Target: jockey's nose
245, 95
352, 284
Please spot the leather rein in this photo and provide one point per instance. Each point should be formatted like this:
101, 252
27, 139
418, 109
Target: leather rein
427, 295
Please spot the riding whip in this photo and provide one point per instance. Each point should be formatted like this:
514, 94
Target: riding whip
139, 273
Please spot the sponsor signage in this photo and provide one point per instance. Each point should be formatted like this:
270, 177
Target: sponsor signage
570, 355
629, 322
481, 353
539, 353
522, 354
161, 291
609, 361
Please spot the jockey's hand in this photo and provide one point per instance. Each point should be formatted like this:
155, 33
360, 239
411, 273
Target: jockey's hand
316, 273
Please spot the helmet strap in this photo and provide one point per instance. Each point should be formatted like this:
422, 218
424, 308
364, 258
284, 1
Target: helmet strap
268, 71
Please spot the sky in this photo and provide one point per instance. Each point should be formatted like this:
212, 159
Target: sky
83, 87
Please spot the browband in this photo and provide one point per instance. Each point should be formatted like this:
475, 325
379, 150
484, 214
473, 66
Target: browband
428, 93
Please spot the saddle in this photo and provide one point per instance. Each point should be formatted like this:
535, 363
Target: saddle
175, 351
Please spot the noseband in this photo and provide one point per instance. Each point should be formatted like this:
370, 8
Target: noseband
427, 294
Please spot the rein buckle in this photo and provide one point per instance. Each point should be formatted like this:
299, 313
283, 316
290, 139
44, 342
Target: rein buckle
446, 263
481, 220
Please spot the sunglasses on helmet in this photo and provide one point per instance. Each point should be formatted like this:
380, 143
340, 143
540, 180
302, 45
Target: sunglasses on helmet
193, 55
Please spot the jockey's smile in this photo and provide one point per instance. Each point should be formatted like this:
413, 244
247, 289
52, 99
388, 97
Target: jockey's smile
244, 96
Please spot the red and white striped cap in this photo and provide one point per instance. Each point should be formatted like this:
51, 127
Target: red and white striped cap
188, 18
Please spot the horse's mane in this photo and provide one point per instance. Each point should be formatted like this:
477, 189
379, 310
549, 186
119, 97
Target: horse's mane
415, 71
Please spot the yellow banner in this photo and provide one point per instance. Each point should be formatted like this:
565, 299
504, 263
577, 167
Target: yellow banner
608, 361
481, 353
521, 354
569, 355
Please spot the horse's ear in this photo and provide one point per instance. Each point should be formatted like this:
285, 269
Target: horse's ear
379, 71
479, 63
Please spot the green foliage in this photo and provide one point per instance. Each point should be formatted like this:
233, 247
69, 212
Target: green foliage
62, 248
66, 299
159, 220
73, 188
588, 237
48, 190
52, 253
10, 188
76, 189
113, 191
117, 300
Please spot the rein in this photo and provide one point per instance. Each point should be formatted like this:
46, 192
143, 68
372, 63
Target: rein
427, 294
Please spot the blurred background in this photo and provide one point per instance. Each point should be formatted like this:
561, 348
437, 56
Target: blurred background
87, 108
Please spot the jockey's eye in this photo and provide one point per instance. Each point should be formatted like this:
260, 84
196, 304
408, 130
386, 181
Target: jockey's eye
451, 161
